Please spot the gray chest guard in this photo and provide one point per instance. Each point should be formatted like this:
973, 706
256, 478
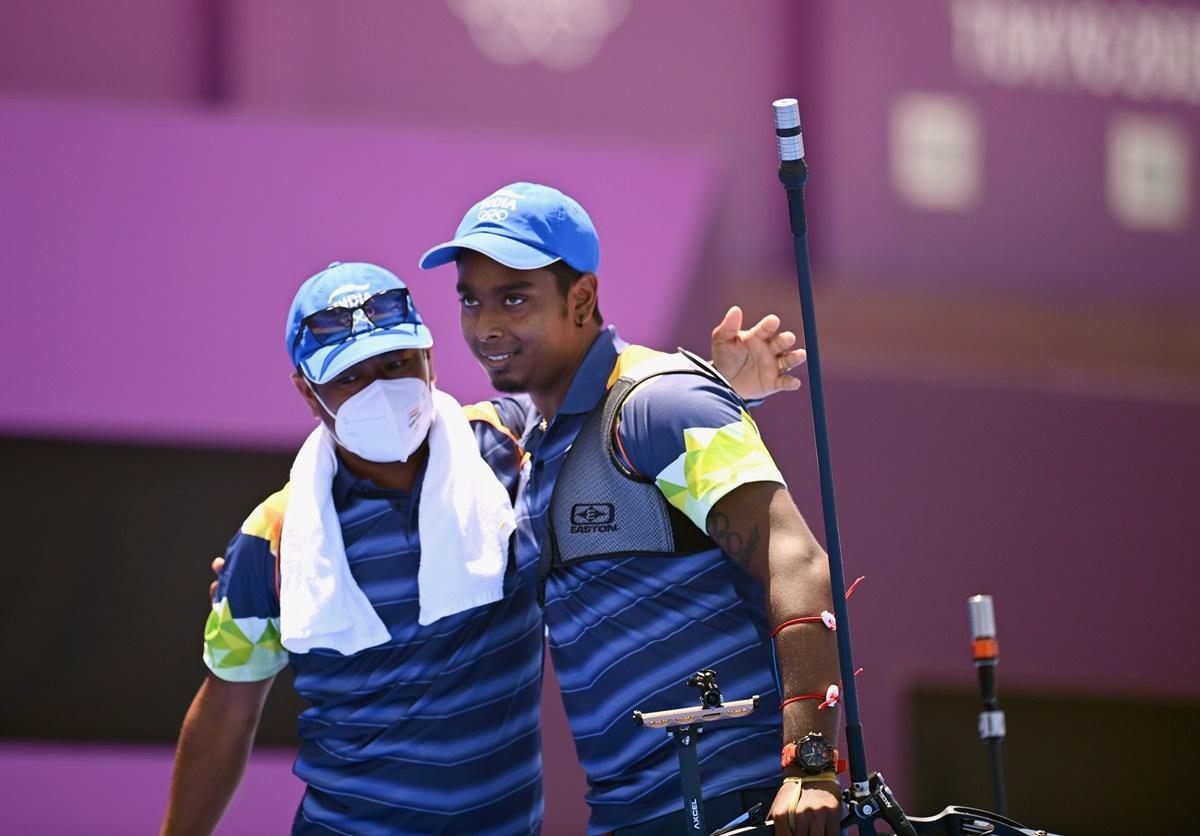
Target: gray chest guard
601, 509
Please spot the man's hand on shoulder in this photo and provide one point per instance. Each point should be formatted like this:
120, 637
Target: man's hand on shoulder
218, 565
807, 810
756, 362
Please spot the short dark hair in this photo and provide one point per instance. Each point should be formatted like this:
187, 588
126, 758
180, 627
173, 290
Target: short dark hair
565, 277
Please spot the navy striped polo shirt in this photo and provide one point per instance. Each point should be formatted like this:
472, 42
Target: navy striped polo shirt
625, 633
434, 731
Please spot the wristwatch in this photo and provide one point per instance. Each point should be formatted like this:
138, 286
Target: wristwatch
812, 754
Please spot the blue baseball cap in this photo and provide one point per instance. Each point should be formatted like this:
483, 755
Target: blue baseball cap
524, 226
348, 285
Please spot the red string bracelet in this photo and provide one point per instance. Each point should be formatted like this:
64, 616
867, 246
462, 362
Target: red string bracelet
830, 698
826, 617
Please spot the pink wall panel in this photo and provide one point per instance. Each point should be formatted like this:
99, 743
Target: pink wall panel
1046, 87
1041, 222
701, 75
692, 75
110, 790
1076, 512
58, 789
118, 49
174, 241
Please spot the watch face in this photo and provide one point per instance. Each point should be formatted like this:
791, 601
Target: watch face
814, 753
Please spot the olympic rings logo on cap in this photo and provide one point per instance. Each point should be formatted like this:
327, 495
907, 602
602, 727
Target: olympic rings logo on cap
493, 215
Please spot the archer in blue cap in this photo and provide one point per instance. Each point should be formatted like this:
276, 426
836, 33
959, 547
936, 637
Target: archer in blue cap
657, 522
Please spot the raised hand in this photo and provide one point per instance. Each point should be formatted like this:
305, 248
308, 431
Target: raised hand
756, 361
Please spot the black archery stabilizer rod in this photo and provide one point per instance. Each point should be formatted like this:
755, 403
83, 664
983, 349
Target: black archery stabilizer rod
986, 651
869, 798
793, 173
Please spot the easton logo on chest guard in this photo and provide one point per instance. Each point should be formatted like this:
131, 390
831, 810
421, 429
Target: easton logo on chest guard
593, 517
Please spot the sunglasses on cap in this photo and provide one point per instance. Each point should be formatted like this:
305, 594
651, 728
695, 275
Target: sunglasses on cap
385, 309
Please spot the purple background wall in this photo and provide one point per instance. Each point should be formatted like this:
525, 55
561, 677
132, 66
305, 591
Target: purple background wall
1076, 512
175, 242
365, 134
1043, 82
682, 75
1041, 223
112, 790
674, 74
126, 49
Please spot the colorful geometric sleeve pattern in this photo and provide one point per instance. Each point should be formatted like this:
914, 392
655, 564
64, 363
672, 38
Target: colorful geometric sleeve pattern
266, 521
486, 412
242, 649
630, 361
714, 462
241, 636
694, 435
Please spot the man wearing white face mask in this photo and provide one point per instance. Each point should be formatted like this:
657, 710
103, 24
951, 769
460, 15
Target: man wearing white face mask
387, 420
423, 668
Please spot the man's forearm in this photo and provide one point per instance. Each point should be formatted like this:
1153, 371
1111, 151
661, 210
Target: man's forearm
214, 745
759, 527
807, 652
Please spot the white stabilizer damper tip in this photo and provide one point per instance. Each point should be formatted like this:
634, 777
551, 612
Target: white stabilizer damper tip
787, 129
983, 617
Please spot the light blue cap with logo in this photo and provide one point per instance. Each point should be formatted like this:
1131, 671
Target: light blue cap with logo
524, 226
348, 285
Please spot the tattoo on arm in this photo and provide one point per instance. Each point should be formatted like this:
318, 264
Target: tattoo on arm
740, 548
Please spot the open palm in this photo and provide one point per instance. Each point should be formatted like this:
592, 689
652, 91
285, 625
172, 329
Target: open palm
756, 361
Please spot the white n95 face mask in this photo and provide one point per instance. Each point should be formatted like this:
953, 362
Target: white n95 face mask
386, 421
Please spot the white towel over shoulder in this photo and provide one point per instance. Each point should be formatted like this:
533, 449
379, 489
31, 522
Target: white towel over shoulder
464, 519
